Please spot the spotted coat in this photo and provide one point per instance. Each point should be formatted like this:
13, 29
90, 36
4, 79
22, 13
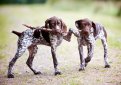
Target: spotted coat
89, 41
30, 38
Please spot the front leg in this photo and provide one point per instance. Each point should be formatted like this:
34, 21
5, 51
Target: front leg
55, 62
69, 34
82, 61
90, 49
75, 32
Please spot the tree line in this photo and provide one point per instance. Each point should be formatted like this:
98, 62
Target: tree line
22, 1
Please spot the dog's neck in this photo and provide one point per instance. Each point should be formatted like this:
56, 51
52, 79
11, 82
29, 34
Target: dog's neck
89, 38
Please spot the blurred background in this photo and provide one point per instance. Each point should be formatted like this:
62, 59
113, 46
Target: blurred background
14, 13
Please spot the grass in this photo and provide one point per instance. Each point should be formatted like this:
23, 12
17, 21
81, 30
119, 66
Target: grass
3, 34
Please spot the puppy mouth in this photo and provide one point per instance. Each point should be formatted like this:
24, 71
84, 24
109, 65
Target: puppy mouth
85, 33
86, 36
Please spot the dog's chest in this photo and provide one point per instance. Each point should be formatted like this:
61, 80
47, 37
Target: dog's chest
82, 41
56, 39
86, 40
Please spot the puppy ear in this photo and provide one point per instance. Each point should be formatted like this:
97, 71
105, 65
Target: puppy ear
76, 24
47, 23
94, 27
36, 33
63, 26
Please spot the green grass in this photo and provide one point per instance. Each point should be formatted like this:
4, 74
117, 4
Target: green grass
3, 34
2, 31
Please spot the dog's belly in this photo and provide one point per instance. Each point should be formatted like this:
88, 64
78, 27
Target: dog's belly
40, 42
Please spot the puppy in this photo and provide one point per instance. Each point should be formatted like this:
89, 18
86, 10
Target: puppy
50, 35
87, 33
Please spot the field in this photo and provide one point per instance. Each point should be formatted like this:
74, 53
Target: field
13, 16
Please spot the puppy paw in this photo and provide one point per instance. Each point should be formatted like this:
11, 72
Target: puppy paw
107, 66
10, 76
36, 73
58, 73
81, 69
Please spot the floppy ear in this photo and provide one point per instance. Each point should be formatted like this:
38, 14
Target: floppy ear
47, 23
94, 27
63, 26
76, 24
36, 33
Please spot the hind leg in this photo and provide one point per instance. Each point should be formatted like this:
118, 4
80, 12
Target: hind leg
18, 54
104, 42
32, 52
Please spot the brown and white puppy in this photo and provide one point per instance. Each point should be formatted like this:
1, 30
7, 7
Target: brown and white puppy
51, 35
87, 33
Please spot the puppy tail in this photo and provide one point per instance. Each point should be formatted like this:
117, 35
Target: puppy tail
17, 33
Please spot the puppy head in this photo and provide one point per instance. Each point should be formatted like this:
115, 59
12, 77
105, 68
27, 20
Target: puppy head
85, 26
55, 24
